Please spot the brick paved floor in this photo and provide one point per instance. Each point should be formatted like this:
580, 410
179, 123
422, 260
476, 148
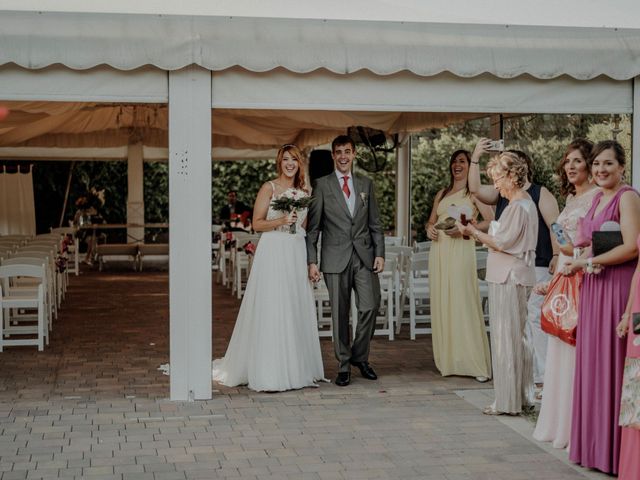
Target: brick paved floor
93, 405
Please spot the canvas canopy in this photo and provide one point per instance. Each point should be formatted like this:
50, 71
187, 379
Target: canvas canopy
126, 42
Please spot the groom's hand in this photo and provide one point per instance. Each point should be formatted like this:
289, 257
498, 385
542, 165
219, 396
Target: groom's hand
314, 273
378, 265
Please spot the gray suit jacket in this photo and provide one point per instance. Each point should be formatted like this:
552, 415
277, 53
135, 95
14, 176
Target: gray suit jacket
342, 233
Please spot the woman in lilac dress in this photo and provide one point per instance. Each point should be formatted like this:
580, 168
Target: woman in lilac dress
595, 434
554, 420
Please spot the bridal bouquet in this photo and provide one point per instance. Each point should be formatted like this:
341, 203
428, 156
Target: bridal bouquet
291, 200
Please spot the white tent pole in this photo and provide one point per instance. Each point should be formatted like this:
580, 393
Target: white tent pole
135, 192
403, 187
190, 233
635, 136
66, 196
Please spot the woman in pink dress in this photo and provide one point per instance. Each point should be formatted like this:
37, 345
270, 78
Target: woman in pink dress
595, 434
629, 468
554, 420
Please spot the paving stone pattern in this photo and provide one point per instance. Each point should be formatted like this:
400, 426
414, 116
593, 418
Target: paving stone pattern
93, 405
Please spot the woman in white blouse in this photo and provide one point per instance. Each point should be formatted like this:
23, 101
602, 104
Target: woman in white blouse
510, 274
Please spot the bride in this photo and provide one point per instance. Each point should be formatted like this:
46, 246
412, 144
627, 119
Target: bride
275, 345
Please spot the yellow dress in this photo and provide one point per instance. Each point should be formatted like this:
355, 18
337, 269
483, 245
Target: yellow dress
460, 345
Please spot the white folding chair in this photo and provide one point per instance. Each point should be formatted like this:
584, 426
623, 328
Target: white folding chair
27, 285
52, 242
386, 314
240, 262
73, 249
483, 286
224, 263
395, 241
56, 282
422, 246
419, 294
34, 300
323, 309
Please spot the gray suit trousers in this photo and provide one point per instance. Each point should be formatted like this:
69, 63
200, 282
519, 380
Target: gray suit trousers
366, 285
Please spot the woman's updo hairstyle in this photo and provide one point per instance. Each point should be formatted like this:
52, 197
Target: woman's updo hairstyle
512, 165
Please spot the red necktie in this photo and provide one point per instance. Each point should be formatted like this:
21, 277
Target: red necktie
345, 186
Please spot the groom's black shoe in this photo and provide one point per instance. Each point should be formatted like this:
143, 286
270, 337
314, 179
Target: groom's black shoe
343, 379
366, 370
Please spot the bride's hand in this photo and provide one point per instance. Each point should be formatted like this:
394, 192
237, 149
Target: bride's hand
290, 219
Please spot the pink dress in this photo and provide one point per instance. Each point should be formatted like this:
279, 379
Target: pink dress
554, 421
595, 433
630, 404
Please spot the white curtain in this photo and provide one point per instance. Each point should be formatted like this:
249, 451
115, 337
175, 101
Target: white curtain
17, 209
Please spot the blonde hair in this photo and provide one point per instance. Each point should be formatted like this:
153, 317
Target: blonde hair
512, 165
300, 180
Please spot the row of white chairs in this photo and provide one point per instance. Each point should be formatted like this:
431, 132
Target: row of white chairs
29, 281
412, 290
405, 294
404, 285
233, 265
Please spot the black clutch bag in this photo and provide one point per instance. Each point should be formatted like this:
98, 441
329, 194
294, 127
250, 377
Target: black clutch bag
636, 323
602, 242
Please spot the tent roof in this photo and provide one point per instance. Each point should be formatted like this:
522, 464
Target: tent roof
379, 63
125, 41
252, 133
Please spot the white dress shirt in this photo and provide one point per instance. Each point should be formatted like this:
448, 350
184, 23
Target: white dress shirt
351, 200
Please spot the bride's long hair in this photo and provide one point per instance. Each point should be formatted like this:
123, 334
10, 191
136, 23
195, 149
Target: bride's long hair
300, 180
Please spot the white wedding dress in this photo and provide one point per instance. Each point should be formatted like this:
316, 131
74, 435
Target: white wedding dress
275, 344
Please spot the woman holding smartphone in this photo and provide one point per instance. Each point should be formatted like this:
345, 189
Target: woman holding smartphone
554, 420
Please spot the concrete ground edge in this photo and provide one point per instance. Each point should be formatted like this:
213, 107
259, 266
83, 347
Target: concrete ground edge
480, 398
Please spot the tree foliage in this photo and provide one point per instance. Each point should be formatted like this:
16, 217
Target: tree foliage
245, 178
544, 137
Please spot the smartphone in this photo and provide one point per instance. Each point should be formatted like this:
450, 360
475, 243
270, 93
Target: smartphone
496, 146
558, 231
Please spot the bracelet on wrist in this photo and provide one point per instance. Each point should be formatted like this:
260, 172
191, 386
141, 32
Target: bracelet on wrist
589, 265
474, 163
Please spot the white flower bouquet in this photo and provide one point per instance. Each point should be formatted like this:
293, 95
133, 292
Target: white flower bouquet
291, 199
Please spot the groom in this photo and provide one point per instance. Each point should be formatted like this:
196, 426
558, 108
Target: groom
345, 211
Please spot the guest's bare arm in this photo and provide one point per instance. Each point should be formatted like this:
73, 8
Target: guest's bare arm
487, 215
549, 209
432, 233
485, 193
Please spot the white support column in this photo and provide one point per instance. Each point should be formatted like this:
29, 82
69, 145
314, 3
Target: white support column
403, 187
635, 135
135, 192
190, 233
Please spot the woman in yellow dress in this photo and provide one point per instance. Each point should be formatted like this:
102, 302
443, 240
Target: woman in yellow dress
460, 345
